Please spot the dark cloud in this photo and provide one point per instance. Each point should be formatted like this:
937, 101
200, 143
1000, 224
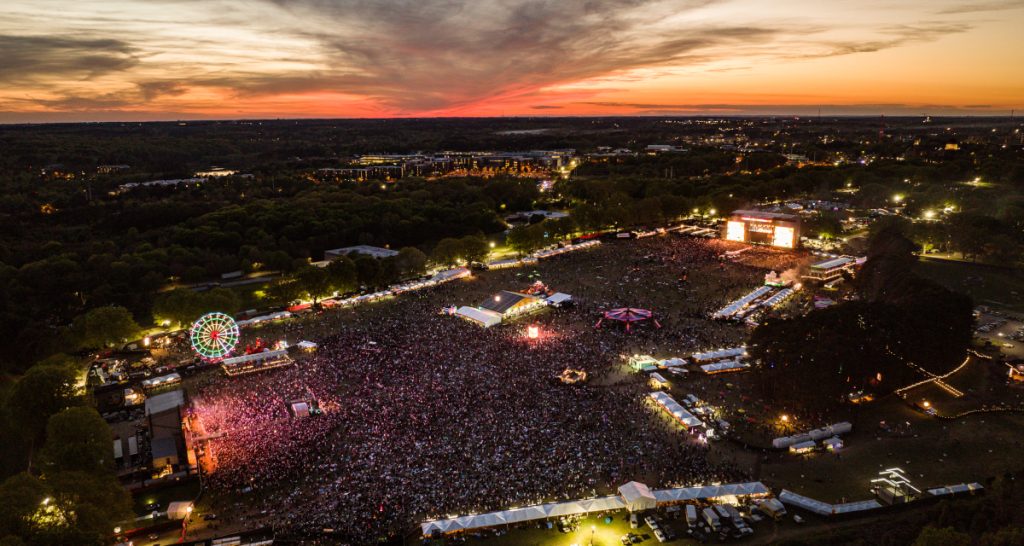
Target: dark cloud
546, 107
155, 89
975, 7
416, 56
26, 57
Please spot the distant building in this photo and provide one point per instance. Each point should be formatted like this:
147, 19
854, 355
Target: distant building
652, 149
764, 228
216, 172
373, 251
111, 169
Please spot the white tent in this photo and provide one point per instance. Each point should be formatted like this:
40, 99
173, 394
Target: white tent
679, 412
558, 298
178, 510
719, 354
724, 366
637, 496
483, 317
307, 346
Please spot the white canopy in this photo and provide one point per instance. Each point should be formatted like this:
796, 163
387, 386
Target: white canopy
483, 317
719, 354
586, 506
679, 412
558, 298
724, 366
825, 509
637, 496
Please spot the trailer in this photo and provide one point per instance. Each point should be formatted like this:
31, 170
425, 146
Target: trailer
691, 515
711, 517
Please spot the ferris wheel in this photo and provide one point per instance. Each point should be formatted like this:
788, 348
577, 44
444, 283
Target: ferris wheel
214, 336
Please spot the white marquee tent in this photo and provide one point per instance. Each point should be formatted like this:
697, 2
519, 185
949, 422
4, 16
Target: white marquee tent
638, 497
586, 506
483, 317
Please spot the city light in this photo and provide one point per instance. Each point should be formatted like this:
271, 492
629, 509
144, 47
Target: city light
897, 198
929, 214
533, 332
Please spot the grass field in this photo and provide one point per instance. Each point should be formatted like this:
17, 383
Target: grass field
990, 286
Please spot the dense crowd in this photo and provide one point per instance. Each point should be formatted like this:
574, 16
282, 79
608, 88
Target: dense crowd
425, 415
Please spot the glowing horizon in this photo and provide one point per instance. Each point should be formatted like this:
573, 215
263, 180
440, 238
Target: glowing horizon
228, 59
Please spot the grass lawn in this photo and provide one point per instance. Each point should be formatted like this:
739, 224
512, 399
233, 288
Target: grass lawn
987, 285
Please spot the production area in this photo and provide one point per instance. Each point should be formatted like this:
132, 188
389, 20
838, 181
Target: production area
592, 393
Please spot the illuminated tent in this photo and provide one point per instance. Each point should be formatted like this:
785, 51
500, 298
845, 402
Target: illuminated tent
638, 497
627, 316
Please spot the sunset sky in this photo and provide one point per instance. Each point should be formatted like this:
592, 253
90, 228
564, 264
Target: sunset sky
65, 60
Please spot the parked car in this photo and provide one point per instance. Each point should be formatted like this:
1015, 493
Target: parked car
659, 534
634, 521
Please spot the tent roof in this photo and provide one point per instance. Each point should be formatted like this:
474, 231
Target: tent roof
165, 401
504, 300
483, 316
627, 314
559, 297
633, 491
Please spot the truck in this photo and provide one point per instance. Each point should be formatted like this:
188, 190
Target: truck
711, 517
691, 515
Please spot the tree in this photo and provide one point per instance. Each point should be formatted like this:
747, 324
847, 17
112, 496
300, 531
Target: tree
20, 496
474, 248
947, 536
447, 252
42, 392
77, 439
342, 275
412, 261
314, 282
526, 239
104, 327
177, 306
97, 502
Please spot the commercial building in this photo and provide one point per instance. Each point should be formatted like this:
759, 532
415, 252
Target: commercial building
763, 228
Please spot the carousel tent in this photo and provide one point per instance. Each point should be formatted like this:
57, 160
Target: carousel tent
638, 497
483, 317
628, 316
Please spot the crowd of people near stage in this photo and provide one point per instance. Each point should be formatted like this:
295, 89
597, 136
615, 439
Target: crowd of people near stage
425, 415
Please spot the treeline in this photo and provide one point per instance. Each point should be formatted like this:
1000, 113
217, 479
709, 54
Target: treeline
810, 363
58, 481
56, 267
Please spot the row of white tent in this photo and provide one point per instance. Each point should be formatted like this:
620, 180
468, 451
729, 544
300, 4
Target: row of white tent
719, 354
958, 489
837, 429
541, 254
823, 508
724, 366
777, 298
264, 318
438, 278
586, 506
670, 405
737, 305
